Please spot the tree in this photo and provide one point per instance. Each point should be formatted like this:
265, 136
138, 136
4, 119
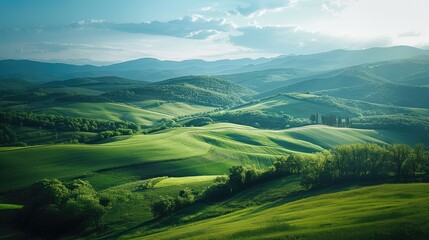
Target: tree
186, 197
421, 157
164, 206
399, 154
290, 165
237, 177
54, 208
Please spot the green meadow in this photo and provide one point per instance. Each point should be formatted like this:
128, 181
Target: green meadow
388, 211
218, 146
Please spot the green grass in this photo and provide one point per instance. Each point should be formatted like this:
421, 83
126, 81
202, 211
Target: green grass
389, 211
5, 206
208, 150
183, 181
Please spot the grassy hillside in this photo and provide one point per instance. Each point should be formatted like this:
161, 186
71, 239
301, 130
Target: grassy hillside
176, 152
105, 111
390, 211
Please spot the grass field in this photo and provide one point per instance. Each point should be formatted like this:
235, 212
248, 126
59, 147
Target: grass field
175, 152
389, 211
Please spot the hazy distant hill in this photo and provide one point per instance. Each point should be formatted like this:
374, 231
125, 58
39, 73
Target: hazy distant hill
149, 69
340, 58
265, 80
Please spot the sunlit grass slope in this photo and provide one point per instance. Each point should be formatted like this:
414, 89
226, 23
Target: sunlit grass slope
177, 152
106, 111
390, 211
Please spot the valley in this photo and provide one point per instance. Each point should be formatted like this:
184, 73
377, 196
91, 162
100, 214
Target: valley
131, 135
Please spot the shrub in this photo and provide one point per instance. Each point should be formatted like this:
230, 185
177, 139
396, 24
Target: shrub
164, 206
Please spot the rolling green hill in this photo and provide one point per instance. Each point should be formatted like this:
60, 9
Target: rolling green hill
389, 211
177, 152
194, 89
265, 80
302, 105
360, 85
14, 84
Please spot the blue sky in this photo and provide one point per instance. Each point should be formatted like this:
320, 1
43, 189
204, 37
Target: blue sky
107, 31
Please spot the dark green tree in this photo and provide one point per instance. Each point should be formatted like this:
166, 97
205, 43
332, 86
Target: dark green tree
164, 206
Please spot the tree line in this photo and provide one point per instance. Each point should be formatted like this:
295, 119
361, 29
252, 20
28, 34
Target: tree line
104, 128
260, 119
346, 163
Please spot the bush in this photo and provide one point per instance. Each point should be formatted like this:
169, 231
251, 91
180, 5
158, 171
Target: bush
164, 206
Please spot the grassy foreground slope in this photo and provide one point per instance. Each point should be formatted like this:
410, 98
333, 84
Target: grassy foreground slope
177, 152
389, 211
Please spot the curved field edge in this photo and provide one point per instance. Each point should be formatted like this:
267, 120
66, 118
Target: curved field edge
388, 211
211, 150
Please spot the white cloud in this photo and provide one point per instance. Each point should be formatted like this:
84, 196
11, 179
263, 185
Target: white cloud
257, 8
295, 40
195, 26
335, 7
205, 9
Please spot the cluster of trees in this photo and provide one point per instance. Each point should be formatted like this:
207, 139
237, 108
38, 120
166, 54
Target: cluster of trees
260, 119
54, 208
65, 123
396, 122
363, 162
198, 122
331, 120
166, 205
7, 135
104, 129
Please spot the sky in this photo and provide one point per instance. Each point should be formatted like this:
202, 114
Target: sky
105, 31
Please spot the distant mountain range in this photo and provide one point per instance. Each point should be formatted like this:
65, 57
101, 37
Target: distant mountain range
149, 69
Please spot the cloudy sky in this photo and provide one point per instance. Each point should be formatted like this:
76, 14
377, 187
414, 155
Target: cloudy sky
107, 31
